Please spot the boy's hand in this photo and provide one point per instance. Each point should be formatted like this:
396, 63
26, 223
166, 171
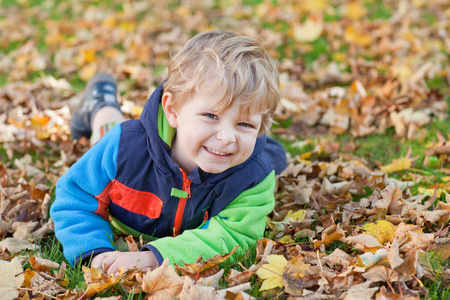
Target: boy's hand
111, 262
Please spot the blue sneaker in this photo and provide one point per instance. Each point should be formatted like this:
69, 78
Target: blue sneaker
100, 91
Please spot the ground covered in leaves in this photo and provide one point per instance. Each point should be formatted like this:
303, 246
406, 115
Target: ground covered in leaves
343, 226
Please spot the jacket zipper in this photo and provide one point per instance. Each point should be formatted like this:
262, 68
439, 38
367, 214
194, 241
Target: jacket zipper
181, 204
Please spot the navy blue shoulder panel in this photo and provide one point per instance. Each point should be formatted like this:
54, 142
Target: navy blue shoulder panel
242, 179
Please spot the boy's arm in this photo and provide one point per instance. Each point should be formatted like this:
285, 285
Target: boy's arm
242, 222
78, 227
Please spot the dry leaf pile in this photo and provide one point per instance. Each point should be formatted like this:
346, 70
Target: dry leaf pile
369, 74
339, 229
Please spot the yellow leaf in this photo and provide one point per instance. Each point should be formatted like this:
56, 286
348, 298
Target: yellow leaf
297, 216
431, 192
314, 6
285, 239
97, 282
109, 22
65, 282
309, 31
397, 164
87, 55
353, 36
272, 273
355, 10
88, 71
383, 230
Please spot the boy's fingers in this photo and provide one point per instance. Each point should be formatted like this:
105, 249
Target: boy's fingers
97, 261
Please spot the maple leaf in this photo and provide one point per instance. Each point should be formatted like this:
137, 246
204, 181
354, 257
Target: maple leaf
11, 279
272, 273
163, 282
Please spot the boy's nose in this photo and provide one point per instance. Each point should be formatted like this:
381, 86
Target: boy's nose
226, 136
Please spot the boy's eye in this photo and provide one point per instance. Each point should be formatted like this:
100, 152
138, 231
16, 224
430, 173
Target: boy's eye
245, 124
212, 116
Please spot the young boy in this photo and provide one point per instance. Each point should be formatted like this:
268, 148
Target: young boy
194, 175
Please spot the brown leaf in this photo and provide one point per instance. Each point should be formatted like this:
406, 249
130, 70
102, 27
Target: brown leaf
97, 282
14, 245
132, 246
393, 255
236, 277
418, 240
409, 266
364, 241
381, 274
200, 265
192, 291
442, 251
163, 282
360, 291
340, 258
294, 277
41, 264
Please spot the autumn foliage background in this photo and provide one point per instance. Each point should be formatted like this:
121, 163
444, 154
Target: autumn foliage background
362, 211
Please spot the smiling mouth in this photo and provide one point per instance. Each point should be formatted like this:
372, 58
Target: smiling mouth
217, 152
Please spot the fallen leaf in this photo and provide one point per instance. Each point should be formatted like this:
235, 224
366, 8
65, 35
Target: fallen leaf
132, 246
397, 164
360, 291
14, 245
382, 230
364, 241
97, 282
272, 272
191, 291
294, 277
41, 264
11, 279
354, 10
308, 31
201, 265
162, 282
393, 255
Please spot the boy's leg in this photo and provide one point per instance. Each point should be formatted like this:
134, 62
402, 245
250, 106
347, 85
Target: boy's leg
103, 121
98, 109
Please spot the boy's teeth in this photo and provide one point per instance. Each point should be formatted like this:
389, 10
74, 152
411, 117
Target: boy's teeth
216, 152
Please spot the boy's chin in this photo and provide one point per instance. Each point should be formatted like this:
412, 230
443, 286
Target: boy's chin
214, 170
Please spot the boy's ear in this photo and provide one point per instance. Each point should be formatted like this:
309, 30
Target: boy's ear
169, 109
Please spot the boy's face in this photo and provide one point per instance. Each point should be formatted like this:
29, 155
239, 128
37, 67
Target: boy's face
212, 141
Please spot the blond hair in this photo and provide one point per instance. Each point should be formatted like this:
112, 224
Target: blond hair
237, 66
